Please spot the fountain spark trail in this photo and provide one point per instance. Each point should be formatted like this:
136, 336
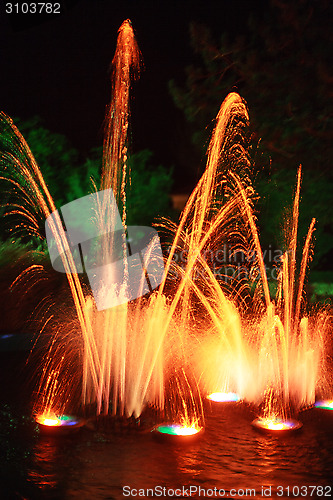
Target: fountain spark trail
126, 63
293, 239
19, 159
304, 263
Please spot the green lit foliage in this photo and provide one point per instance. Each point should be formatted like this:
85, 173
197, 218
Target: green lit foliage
70, 175
147, 191
83, 179
316, 201
148, 186
56, 158
148, 196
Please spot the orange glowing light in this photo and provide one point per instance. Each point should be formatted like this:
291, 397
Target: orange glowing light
48, 420
223, 397
276, 424
187, 431
58, 424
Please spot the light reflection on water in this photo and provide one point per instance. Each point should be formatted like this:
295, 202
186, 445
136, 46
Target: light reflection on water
46, 455
230, 454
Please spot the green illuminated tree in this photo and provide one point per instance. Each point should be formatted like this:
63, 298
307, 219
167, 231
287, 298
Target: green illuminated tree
69, 175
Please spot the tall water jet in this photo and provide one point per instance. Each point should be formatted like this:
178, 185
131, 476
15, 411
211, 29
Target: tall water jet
199, 302
111, 326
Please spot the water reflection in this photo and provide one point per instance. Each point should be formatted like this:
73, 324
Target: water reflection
56, 465
230, 454
190, 462
267, 453
45, 464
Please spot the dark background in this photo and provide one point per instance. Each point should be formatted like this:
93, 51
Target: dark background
58, 67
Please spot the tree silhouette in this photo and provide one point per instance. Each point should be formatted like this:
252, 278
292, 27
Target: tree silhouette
281, 66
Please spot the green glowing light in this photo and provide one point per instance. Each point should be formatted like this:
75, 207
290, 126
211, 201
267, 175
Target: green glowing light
177, 430
325, 404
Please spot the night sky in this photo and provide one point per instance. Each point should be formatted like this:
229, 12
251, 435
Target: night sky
57, 67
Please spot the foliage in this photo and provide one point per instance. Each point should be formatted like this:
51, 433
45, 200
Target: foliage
281, 66
13, 251
55, 156
316, 201
148, 195
282, 69
69, 176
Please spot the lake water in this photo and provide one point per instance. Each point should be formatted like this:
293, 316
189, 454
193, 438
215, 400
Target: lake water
230, 460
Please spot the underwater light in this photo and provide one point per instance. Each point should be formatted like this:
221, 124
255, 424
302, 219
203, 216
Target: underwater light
276, 425
63, 423
325, 404
177, 432
224, 397
48, 421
